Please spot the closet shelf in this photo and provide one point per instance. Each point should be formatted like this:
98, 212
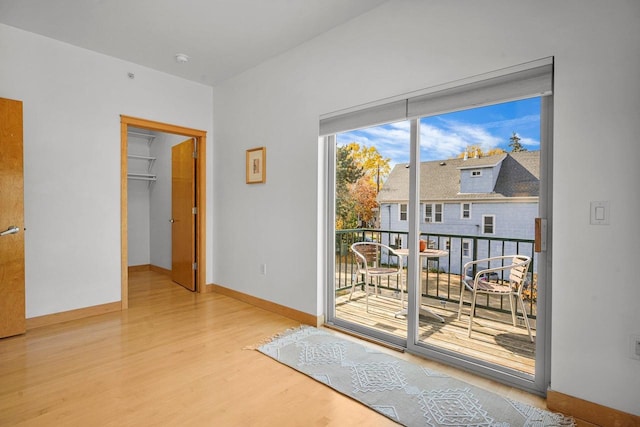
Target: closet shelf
142, 176
148, 159
136, 156
147, 136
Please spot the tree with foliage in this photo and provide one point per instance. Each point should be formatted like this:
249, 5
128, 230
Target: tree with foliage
476, 151
347, 169
360, 171
515, 143
347, 173
374, 166
364, 194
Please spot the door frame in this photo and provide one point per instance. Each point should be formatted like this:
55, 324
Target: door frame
200, 233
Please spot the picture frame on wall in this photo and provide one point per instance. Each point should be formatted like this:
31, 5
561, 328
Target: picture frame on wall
257, 165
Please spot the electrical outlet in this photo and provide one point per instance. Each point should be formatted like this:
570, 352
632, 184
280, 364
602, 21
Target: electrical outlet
634, 346
263, 269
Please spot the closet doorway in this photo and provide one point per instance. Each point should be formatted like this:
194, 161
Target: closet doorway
130, 125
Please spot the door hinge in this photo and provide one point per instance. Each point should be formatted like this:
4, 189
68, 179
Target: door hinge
195, 155
194, 211
195, 265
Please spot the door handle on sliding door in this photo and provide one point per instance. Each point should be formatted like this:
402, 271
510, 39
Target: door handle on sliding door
540, 243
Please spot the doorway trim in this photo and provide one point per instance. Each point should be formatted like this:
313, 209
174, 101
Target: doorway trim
200, 136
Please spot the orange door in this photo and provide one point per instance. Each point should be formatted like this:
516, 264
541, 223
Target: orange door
12, 305
183, 202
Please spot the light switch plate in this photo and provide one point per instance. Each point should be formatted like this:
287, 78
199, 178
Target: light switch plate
600, 213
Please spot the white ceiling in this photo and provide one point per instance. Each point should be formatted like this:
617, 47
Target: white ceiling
222, 37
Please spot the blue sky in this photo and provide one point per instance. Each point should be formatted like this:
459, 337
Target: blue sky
446, 135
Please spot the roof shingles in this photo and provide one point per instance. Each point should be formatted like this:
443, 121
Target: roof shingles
440, 179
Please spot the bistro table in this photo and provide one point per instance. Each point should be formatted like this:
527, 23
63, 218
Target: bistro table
427, 253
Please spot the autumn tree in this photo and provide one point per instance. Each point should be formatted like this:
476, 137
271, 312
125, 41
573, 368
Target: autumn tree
476, 151
360, 171
374, 166
364, 194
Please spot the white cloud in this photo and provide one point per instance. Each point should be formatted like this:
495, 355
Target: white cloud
391, 140
439, 143
441, 138
530, 142
451, 139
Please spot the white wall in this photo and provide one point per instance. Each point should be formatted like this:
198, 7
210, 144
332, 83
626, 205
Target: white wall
73, 99
409, 45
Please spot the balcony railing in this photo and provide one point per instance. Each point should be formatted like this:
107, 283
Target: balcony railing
440, 278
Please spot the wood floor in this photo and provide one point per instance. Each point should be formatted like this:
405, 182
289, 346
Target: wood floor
174, 358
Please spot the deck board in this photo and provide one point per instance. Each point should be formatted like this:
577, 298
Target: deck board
493, 338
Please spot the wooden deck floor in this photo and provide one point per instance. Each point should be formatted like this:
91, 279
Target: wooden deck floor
493, 339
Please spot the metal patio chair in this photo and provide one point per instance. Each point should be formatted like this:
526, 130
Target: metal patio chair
369, 256
501, 279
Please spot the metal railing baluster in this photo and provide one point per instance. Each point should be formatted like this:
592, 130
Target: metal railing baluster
346, 271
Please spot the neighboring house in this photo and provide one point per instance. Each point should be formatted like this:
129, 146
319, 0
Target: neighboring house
493, 197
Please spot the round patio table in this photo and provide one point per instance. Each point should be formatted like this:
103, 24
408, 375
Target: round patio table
427, 253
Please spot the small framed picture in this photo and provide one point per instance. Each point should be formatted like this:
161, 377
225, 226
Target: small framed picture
257, 165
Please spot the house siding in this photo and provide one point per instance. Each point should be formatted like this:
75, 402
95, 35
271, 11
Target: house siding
512, 221
484, 183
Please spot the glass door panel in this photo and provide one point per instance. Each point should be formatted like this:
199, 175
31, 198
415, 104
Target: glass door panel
371, 299
479, 190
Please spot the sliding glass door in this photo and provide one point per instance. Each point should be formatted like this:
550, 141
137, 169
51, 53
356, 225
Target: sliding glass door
451, 177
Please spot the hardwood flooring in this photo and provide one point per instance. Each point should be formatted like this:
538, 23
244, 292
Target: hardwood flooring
174, 358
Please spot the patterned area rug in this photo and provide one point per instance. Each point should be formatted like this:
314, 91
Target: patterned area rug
406, 393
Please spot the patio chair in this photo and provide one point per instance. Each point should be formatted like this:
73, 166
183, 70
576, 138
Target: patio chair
504, 279
369, 257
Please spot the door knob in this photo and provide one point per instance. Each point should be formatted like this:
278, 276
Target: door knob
172, 220
11, 230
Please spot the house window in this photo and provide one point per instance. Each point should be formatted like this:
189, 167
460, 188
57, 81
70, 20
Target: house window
403, 211
488, 224
465, 210
476, 173
466, 248
433, 212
